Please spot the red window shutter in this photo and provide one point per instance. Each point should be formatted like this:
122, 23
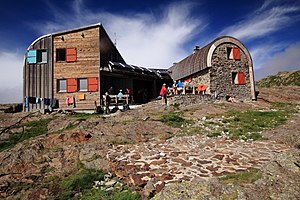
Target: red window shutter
236, 53
71, 55
241, 78
92, 84
72, 85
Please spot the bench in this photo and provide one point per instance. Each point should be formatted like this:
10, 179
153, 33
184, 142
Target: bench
116, 100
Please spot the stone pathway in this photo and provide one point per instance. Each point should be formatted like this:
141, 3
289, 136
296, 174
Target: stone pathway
187, 158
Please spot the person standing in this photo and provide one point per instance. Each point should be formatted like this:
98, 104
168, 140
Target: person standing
179, 87
163, 93
107, 102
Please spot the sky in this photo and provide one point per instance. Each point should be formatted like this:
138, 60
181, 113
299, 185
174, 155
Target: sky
153, 33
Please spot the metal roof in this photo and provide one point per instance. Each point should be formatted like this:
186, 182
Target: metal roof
199, 60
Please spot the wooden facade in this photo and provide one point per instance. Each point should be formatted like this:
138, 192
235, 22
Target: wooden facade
38, 77
76, 67
224, 66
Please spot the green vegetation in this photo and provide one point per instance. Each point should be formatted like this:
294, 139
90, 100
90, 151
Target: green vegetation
83, 179
32, 129
214, 134
80, 185
173, 119
249, 124
242, 178
281, 79
83, 116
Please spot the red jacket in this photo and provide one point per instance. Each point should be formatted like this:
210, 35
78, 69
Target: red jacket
163, 91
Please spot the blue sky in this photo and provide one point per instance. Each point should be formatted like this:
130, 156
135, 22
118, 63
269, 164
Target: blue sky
154, 33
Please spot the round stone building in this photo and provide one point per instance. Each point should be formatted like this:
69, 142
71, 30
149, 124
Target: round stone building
224, 66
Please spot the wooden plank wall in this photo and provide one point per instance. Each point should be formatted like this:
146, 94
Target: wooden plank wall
37, 78
86, 42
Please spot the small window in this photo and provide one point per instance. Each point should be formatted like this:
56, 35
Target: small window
60, 54
62, 85
68, 55
42, 56
83, 84
233, 53
238, 78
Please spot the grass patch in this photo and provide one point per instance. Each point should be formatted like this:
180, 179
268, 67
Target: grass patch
173, 119
214, 134
101, 194
83, 116
82, 180
242, 178
249, 124
33, 129
120, 141
80, 185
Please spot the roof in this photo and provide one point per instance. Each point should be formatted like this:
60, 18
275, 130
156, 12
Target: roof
64, 32
122, 67
200, 59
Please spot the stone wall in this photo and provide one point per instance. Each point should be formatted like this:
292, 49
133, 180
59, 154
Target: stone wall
202, 77
221, 73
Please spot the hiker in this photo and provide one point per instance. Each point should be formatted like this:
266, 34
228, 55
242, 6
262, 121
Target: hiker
107, 102
174, 88
120, 94
179, 87
230, 98
163, 94
111, 90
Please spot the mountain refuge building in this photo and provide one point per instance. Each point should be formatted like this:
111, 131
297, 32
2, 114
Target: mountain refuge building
74, 68
223, 67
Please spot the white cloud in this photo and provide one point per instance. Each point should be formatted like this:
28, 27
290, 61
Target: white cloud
263, 52
283, 61
266, 20
11, 66
147, 39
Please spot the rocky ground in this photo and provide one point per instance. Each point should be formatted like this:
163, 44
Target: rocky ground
159, 160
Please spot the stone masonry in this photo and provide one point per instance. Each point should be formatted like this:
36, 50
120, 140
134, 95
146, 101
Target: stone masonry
221, 73
188, 158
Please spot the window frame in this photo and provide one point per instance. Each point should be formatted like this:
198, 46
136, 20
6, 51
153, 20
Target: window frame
59, 85
232, 53
66, 55
236, 79
60, 55
39, 56
80, 85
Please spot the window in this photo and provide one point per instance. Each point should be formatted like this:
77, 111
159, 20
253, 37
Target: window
62, 85
92, 84
36, 56
42, 56
72, 85
68, 54
238, 78
233, 53
60, 54
83, 84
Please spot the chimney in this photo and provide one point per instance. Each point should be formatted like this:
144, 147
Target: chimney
196, 48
